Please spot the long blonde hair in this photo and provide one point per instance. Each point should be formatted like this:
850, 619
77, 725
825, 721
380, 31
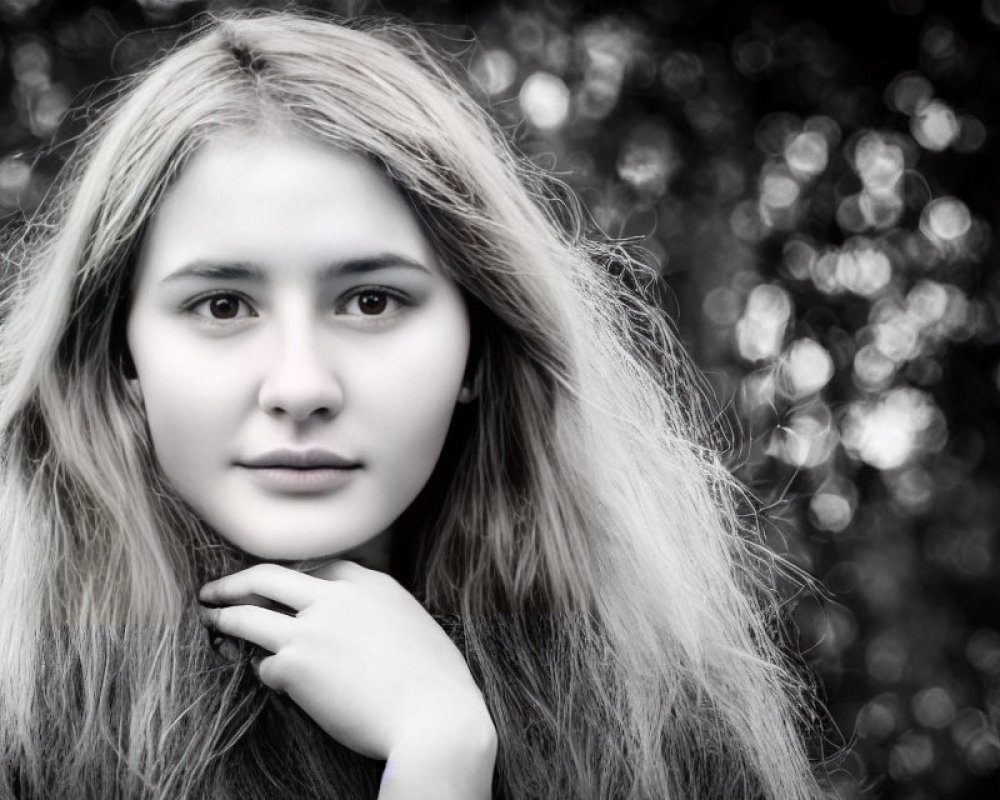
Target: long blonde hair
583, 545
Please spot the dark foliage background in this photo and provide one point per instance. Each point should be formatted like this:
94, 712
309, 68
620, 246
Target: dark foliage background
817, 183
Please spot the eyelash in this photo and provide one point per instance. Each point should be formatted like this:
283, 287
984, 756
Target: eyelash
203, 300
391, 295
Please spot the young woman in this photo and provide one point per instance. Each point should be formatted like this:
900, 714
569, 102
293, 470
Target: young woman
335, 466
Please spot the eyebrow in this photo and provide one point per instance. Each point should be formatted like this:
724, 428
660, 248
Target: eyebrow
206, 269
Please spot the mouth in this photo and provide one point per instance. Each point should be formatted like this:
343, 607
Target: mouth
300, 471
299, 459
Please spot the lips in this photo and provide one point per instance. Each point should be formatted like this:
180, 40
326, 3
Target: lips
300, 471
299, 459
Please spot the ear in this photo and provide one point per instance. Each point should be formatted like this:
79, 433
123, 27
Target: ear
135, 389
472, 381
471, 385
128, 366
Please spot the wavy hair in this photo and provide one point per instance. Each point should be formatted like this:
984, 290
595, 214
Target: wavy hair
580, 539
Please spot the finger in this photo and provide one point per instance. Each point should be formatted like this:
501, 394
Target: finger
260, 626
268, 672
258, 600
269, 581
343, 570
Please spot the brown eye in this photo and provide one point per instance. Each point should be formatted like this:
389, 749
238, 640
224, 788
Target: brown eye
224, 307
221, 307
373, 303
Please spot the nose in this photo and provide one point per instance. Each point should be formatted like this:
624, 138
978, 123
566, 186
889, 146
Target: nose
301, 383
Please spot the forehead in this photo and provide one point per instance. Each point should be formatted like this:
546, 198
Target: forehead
279, 199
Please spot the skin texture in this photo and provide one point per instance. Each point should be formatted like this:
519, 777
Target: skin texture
287, 300
306, 360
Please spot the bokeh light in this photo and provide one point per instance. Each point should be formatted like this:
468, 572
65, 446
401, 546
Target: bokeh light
833, 504
911, 756
934, 125
807, 154
682, 74
934, 707
14, 9
888, 432
860, 267
609, 47
908, 92
778, 189
945, 220
807, 367
545, 100
494, 70
760, 331
647, 160
807, 439
722, 306
15, 174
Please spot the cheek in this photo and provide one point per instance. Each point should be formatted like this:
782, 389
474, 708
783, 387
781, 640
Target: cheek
182, 426
184, 384
411, 399
188, 410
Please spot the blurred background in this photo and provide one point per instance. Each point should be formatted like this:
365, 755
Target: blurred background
818, 185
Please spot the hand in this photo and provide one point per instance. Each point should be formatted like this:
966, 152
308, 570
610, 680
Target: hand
360, 656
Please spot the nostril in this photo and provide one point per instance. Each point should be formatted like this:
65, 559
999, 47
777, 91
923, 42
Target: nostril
301, 388
300, 391
300, 412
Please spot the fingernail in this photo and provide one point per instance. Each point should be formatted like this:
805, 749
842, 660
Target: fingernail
206, 616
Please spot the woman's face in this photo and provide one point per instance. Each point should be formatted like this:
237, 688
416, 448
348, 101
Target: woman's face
298, 347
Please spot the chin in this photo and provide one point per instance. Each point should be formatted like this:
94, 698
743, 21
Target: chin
299, 544
272, 546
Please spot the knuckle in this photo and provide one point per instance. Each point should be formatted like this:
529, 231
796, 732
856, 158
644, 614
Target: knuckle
384, 579
272, 672
345, 569
267, 570
334, 589
326, 601
281, 670
258, 574
310, 631
228, 620
223, 617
